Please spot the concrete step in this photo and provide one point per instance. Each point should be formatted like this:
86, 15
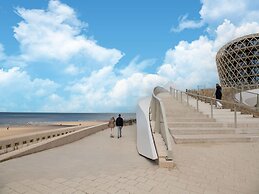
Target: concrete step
195, 124
247, 130
199, 131
212, 138
193, 116
174, 115
190, 119
181, 111
189, 131
243, 124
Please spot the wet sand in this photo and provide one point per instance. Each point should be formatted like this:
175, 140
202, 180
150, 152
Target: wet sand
11, 130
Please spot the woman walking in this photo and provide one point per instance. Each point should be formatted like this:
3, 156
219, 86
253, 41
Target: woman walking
111, 124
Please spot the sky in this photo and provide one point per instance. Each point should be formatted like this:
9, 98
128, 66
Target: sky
104, 56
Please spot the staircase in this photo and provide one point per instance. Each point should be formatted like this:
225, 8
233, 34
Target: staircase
187, 125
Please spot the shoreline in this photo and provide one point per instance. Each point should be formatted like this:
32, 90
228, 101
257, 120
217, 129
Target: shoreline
21, 129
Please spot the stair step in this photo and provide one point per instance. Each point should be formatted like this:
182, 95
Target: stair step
199, 131
209, 138
194, 124
195, 119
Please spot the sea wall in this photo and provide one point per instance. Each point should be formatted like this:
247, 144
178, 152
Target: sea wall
44, 141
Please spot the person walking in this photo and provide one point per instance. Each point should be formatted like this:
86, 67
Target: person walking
119, 124
111, 124
218, 94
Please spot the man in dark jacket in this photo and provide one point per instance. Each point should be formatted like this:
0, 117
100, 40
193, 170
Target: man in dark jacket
119, 124
218, 94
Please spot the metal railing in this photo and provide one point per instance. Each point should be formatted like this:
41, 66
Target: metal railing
179, 94
158, 115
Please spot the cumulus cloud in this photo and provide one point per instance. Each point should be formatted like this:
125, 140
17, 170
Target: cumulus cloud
95, 84
213, 13
56, 34
228, 31
192, 64
105, 91
237, 11
134, 87
18, 90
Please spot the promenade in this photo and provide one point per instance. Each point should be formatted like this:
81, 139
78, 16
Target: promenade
100, 164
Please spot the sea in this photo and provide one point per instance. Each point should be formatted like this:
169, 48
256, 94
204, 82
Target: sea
18, 118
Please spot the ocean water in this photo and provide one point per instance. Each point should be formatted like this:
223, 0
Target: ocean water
12, 118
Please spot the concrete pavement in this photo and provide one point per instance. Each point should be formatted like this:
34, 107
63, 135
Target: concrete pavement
100, 164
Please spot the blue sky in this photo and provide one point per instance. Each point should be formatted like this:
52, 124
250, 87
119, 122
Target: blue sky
103, 56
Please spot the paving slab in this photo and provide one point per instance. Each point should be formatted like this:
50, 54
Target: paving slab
100, 164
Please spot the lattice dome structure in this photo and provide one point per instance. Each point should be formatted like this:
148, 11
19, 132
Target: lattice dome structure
238, 62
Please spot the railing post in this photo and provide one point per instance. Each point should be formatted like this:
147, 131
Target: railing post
197, 105
211, 108
176, 94
187, 99
181, 97
235, 116
240, 98
257, 102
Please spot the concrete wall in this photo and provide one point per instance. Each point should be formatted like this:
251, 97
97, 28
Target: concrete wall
53, 142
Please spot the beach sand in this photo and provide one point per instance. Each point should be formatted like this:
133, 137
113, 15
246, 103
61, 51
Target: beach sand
31, 128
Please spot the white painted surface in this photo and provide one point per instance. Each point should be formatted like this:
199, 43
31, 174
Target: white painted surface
145, 141
248, 98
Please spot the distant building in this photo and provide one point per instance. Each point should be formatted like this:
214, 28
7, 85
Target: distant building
238, 62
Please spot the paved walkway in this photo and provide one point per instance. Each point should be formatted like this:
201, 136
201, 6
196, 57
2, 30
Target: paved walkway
100, 164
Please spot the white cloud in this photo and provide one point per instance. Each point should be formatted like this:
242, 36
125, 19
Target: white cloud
215, 12
104, 91
228, 31
184, 23
134, 87
72, 70
56, 34
18, 90
190, 64
237, 11
135, 66
94, 84
218, 10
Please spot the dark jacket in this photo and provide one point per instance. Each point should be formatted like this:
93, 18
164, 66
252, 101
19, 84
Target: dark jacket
119, 121
218, 93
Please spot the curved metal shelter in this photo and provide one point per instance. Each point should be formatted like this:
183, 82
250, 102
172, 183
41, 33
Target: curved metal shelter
238, 62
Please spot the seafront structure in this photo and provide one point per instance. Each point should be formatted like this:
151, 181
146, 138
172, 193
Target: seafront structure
238, 62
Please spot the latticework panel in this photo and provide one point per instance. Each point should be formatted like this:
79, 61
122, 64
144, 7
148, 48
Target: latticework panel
238, 62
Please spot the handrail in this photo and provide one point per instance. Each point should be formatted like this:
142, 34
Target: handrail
175, 92
158, 115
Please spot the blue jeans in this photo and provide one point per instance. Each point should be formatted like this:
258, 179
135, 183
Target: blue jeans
119, 131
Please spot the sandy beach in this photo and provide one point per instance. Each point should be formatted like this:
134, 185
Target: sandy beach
11, 130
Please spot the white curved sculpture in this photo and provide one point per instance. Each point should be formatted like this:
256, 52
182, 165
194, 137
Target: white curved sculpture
145, 141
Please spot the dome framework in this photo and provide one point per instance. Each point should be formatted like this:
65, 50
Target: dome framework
238, 62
